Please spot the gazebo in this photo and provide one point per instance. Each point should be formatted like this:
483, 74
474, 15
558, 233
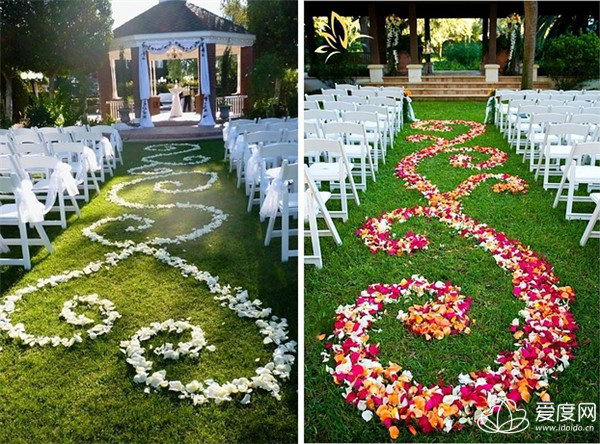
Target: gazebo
174, 29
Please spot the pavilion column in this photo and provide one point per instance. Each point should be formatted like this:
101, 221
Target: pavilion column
415, 67
135, 74
428, 65
245, 68
376, 66
105, 84
491, 68
212, 72
113, 79
484, 39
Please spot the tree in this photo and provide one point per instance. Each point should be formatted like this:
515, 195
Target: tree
235, 10
54, 37
529, 37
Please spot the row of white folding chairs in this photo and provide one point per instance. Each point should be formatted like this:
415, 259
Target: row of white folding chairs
76, 133
242, 126
231, 124
14, 214
33, 184
507, 112
370, 136
28, 144
567, 146
520, 113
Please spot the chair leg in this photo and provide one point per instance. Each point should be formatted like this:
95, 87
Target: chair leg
44, 237
314, 238
590, 226
285, 235
570, 195
24, 246
344, 196
74, 203
251, 197
270, 227
61, 208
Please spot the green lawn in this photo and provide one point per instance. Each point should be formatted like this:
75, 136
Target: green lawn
87, 393
351, 268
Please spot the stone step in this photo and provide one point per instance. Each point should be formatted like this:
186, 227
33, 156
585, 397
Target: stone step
449, 98
459, 79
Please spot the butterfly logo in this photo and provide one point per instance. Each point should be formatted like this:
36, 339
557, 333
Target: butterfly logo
339, 34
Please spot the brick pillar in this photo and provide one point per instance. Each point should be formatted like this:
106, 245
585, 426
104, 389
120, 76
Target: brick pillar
105, 86
245, 67
492, 30
135, 74
412, 24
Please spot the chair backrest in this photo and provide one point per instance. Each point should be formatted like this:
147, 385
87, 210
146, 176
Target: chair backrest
19, 139
311, 104
279, 150
270, 120
332, 92
565, 109
381, 111
56, 137
251, 128
311, 129
277, 126
317, 97
384, 101
323, 145
340, 106
5, 140
360, 116
568, 129
290, 136
289, 171
36, 162
22, 131
515, 104
586, 119
263, 137
320, 115
344, 128
511, 96
346, 86
533, 109
546, 118
548, 102
581, 103
31, 148
70, 129
353, 99
9, 183
391, 93
567, 97
364, 93
47, 129
67, 147
585, 148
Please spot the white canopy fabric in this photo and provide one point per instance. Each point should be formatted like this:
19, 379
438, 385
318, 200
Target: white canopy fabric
207, 115
144, 77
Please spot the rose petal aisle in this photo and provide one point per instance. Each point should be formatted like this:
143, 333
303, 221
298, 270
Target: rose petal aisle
159, 315
457, 292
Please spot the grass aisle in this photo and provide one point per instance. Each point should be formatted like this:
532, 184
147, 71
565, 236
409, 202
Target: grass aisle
87, 393
352, 268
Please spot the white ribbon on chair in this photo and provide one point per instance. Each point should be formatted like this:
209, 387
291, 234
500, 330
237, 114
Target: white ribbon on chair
31, 209
239, 148
107, 148
274, 194
60, 181
253, 166
88, 162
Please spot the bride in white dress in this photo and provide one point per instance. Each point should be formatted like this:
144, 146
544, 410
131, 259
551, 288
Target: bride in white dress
176, 105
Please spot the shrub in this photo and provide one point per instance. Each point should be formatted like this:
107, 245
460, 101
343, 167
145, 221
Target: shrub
464, 54
45, 111
570, 59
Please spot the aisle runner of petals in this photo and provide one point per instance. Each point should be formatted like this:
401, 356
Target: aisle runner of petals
273, 329
545, 341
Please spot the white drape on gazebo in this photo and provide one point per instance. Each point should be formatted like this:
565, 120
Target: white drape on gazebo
207, 115
144, 77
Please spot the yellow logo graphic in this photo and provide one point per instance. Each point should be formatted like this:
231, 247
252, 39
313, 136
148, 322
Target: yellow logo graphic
339, 34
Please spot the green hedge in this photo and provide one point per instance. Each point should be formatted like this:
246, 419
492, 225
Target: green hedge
570, 59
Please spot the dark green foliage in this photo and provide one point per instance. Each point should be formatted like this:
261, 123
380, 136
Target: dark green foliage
569, 59
464, 54
227, 83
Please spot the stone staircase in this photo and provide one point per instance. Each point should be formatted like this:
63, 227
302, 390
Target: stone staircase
456, 87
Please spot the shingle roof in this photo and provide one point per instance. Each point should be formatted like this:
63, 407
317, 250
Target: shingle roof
176, 16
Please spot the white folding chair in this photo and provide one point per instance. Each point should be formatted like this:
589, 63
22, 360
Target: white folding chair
577, 174
356, 147
287, 209
309, 104
537, 135
83, 164
373, 130
558, 151
523, 123
336, 171
12, 214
